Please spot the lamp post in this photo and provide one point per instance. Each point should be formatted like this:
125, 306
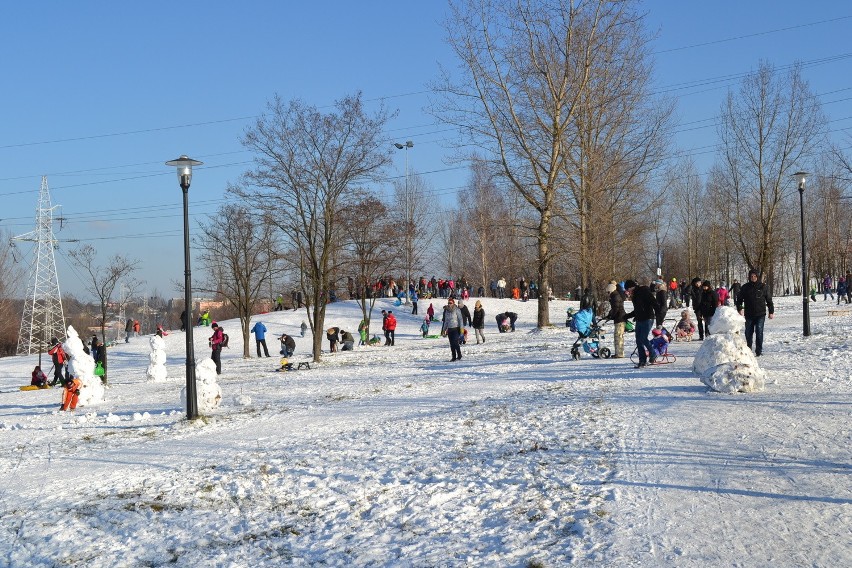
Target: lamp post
184, 172
408, 220
801, 178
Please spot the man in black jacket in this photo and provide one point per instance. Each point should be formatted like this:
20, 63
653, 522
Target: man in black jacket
645, 311
754, 296
695, 292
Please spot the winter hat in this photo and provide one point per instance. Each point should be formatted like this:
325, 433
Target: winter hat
628, 284
707, 283
753, 271
610, 288
214, 324
656, 332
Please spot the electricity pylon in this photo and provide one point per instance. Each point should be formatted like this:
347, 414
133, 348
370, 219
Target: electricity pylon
43, 316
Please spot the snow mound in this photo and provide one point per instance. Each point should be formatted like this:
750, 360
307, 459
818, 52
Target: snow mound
81, 365
242, 400
724, 362
207, 390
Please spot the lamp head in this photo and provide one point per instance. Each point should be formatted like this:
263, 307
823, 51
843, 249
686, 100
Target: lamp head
398, 145
184, 169
801, 178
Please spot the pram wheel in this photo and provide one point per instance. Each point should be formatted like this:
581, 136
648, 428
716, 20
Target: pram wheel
604, 352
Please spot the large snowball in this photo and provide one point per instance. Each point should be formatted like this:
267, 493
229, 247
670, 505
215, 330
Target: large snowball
724, 362
157, 368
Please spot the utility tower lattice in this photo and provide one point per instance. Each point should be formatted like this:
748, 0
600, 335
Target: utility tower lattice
43, 316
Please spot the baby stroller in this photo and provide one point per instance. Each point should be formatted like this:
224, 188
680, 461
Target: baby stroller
660, 347
589, 335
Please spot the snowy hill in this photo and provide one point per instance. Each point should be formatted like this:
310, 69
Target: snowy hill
397, 457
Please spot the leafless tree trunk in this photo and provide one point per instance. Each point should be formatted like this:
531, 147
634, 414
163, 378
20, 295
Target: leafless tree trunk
307, 164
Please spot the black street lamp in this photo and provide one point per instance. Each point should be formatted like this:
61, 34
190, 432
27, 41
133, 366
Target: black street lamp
184, 172
801, 178
409, 222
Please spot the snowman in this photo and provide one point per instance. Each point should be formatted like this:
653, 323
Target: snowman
82, 366
207, 390
157, 367
724, 362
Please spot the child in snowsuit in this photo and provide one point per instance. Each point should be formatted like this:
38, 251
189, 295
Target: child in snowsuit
685, 328
70, 394
39, 379
660, 343
424, 327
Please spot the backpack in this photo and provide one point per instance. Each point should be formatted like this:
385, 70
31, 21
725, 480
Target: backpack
224, 339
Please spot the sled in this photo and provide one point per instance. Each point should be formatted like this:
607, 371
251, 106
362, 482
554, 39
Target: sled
662, 359
33, 387
435, 336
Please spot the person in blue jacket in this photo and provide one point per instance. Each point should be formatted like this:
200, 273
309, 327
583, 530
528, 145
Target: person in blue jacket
259, 331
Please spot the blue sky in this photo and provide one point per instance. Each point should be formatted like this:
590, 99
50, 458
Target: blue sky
97, 95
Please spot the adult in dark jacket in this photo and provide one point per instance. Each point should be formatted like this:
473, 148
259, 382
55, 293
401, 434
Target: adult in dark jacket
695, 291
478, 322
333, 336
288, 345
645, 311
618, 317
465, 312
127, 329
755, 299
706, 308
662, 300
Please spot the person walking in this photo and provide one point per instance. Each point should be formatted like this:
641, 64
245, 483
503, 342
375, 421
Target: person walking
478, 322
414, 298
259, 331
618, 317
451, 328
128, 328
645, 311
216, 341
842, 290
390, 327
754, 298
662, 300
695, 292
826, 288
706, 307
465, 312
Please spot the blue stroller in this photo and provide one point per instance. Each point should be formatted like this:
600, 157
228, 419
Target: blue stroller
589, 335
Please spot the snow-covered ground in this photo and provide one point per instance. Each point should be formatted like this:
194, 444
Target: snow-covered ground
516, 456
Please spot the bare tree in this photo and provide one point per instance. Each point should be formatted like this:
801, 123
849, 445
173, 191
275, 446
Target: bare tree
11, 277
484, 211
413, 224
527, 69
101, 281
369, 235
237, 247
307, 164
768, 129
